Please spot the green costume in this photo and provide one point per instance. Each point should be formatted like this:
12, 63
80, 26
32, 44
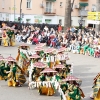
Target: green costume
58, 78
48, 59
96, 87
2, 71
10, 34
64, 88
14, 70
75, 94
42, 78
91, 51
85, 48
79, 48
41, 53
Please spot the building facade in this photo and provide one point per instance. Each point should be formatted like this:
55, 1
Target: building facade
45, 11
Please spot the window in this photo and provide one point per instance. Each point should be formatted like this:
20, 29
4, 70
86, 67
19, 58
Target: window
48, 21
61, 4
28, 3
93, 8
60, 21
28, 20
48, 6
3, 4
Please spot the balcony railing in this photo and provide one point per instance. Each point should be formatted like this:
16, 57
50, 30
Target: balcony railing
83, 13
49, 11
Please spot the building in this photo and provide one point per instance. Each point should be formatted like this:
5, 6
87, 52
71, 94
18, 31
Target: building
80, 11
45, 11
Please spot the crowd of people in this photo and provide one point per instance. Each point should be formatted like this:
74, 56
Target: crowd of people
85, 41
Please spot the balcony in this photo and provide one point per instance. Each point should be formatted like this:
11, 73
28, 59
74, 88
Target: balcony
49, 11
83, 13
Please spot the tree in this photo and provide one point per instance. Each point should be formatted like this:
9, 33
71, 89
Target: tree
67, 21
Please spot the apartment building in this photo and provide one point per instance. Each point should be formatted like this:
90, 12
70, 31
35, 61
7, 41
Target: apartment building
45, 11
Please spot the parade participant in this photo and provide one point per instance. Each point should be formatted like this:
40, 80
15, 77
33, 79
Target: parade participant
50, 57
31, 68
11, 35
47, 89
15, 75
73, 92
96, 88
64, 87
3, 24
60, 75
0, 36
39, 51
23, 57
61, 57
5, 38
3, 74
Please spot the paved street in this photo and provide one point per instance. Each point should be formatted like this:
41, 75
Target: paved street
85, 67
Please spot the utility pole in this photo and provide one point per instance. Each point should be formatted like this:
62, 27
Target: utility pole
14, 10
98, 10
20, 10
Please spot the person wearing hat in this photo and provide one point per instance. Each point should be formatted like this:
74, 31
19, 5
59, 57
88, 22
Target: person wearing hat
64, 87
10, 33
23, 57
96, 89
5, 38
15, 75
74, 92
50, 59
0, 36
3, 74
47, 88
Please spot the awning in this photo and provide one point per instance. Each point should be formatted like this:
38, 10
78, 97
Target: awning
83, 4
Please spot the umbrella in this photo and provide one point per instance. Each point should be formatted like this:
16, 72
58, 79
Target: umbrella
35, 56
1, 58
59, 66
24, 45
48, 70
71, 78
39, 65
10, 59
50, 50
41, 44
62, 49
38, 48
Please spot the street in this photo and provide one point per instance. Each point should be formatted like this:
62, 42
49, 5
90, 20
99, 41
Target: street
85, 68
